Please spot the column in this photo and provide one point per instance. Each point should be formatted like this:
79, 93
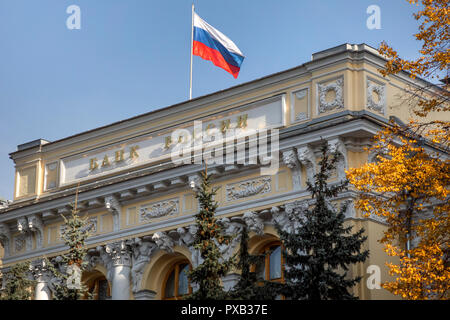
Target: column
120, 253
42, 277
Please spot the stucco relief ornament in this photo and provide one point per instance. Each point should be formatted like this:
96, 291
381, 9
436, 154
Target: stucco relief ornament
307, 158
293, 215
36, 225
163, 241
254, 222
380, 91
22, 224
119, 252
248, 188
19, 243
291, 161
232, 227
338, 102
160, 209
113, 206
106, 261
142, 251
186, 236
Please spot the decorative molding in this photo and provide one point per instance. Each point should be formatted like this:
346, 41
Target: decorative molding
163, 241
22, 224
120, 253
36, 225
20, 242
114, 207
299, 95
159, 209
186, 235
291, 161
338, 102
232, 227
248, 188
338, 145
254, 222
305, 155
142, 251
380, 90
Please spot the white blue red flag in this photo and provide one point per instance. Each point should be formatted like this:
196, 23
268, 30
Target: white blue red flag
211, 44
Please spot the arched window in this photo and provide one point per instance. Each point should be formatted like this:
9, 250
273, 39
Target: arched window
271, 269
177, 282
99, 288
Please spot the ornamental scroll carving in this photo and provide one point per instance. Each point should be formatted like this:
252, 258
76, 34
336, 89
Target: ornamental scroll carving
338, 102
159, 209
248, 188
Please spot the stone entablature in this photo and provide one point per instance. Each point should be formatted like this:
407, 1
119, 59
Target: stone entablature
329, 84
126, 211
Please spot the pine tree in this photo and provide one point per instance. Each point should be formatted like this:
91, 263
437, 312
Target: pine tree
69, 286
207, 275
249, 286
18, 286
320, 249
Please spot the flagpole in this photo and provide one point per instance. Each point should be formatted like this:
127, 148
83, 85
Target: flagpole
192, 43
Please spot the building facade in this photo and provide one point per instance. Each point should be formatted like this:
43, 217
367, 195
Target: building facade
137, 192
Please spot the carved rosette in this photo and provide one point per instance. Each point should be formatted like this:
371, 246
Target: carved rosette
159, 209
380, 91
248, 188
338, 102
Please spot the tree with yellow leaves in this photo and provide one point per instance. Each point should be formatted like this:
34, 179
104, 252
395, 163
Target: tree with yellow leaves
408, 184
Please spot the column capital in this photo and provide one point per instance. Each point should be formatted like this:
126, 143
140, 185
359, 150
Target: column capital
120, 253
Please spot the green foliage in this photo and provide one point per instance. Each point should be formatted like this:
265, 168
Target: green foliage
249, 286
317, 254
18, 286
207, 275
75, 234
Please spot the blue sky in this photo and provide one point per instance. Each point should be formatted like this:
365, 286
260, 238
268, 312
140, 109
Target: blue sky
132, 56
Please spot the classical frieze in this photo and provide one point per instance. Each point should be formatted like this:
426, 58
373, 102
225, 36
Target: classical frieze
248, 188
159, 209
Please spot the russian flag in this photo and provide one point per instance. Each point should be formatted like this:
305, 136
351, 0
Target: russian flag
211, 44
